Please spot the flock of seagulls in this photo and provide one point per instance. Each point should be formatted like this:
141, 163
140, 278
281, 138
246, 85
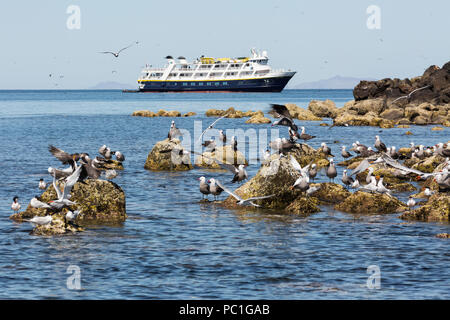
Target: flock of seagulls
380, 153
80, 167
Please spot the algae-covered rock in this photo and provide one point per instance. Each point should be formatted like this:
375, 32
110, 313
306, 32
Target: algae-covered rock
224, 154
331, 192
429, 164
443, 235
230, 113
370, 203
57, 227
189, 114
112, 164
437, 208
168, 155
275, 177
98, 200
303, 205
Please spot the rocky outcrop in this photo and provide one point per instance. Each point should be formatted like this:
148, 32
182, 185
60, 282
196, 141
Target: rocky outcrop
437, 208
98, 200
160, 113
258, 118
301, 114
370, 203
323, 109
388, 102
112, 164
231, 113
225, 154
58, 226
189, 114
168, 155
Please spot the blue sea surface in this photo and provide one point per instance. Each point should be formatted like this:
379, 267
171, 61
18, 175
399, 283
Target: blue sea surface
173, 247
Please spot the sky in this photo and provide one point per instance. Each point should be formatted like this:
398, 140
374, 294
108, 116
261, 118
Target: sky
318, 39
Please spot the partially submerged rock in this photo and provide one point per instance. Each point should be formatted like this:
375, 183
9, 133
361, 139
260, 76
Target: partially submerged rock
144, 113
168, 155
429, 164
160, 113
303, 205
231, 113
443, 235
112, 164
98, 200
225, 154
258, 118
437, 208
57, 227
300, 113
370, 203
331, 192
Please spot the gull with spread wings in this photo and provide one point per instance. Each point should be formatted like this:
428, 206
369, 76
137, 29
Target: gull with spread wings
116, 54
239, 200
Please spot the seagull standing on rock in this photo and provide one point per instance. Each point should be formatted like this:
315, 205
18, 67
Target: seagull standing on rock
347, 180
345, 153
204, 187
411, 203
214, 188
40, 221
380, 146
42, 184
331, 171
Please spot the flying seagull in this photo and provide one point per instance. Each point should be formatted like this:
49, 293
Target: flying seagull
408, 96
63, 197
282, 112
243, 202
116, 54
211, 126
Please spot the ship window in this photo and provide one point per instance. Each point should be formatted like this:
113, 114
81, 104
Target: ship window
225, 83
208, 83
217, 83
185, 84
200, 83
192, 83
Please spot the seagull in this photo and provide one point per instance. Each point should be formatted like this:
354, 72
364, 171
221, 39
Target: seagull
293, 135
119, 156
282, 145
38, 204
222, 136
347, 180
428, 192
243, 202
71, 216
371, 187
102, 150
311, 190
408, 96
305, 136
212, 126
367, 152
302, 183
234, 143
355, 185
204, 187
282, 112
15, 206
312, 172
174, 132
303, 171
331, 170
266, 156
363, 165
381, 187
325, 149
40, 221
345, 153
369, 175
394, 154
381, 147
116, 54
411, 203
210, 145
42, 184
63, 197
89, 168
239, 172
65, 157
214, 188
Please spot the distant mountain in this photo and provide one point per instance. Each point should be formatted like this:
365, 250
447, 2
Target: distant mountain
336, 82
112, 85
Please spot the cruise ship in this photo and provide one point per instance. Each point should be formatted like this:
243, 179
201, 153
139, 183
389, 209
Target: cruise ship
250, 74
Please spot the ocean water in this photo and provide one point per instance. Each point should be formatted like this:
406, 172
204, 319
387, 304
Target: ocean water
173, 247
